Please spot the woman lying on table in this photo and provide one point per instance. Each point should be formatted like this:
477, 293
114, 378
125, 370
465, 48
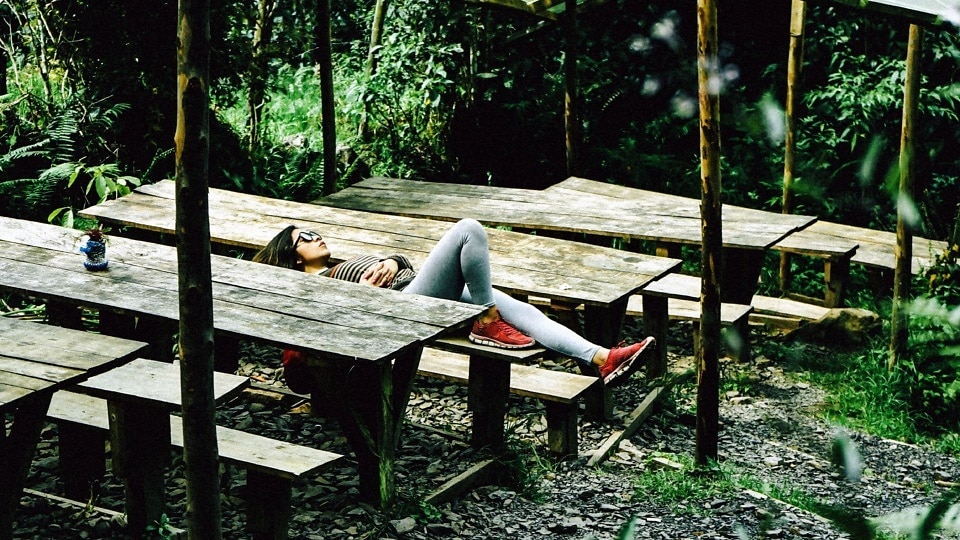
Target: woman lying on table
457, 268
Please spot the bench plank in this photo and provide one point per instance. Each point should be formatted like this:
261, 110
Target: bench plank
529, 381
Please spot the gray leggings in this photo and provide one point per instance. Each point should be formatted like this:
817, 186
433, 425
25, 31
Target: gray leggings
458, 268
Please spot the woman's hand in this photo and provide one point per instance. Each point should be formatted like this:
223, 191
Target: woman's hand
380, 274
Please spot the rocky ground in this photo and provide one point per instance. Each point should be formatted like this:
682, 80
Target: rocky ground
772, 441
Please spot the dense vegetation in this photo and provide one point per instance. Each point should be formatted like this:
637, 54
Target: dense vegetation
471, 94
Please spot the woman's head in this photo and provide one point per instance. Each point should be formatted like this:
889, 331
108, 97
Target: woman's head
295, 248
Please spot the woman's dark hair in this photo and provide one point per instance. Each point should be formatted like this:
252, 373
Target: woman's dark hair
279, 251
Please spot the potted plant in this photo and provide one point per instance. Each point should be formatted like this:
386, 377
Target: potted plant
95, 249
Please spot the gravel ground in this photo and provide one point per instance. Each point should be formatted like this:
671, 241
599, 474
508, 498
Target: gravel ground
770, 435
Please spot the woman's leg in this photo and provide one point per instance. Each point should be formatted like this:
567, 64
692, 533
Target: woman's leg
548, 332
461, 258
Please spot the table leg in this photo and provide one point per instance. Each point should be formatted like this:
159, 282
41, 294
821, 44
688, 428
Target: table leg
741, 273
140, 441
16, 453
487, 394
655, 319
370, 400
835, 273
603, 324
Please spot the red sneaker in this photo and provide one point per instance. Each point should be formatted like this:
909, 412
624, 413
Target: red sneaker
499, 334
623, 361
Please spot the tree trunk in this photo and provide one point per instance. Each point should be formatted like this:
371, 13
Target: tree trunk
192, 142
571, 114
376, 37
327, 106
262, 35
794, 67
899, 323
708, 371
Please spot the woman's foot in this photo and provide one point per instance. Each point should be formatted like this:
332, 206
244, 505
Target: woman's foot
624, 361
499, 333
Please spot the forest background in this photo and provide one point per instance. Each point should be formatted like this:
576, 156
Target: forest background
467, 93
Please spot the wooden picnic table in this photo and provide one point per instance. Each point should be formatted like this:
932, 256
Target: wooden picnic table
568, 274
35, 361
370, 338
578, 205
140, 396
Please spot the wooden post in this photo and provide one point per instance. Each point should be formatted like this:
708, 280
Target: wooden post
192, 142
798, 15
328, 110
708, 370
376, 33
571, 113
899, 324
259, 66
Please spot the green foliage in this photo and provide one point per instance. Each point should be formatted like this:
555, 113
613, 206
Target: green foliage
680, 489
409, 101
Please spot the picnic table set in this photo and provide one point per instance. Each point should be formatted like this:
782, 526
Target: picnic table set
365, 341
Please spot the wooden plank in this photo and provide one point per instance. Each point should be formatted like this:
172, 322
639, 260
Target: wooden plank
630, 426
689, 310
267, 455
527, 381
463, 345
787, 307
35, 370
875, 248
151, 383
485, 472
16, 335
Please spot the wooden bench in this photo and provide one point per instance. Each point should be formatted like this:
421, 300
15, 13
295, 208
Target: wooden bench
559, 391
876, 249
680, 294
272, 466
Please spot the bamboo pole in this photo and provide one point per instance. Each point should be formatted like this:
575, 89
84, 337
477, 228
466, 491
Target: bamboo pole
192, 142
708, 371
571, 113
373, 56
328, 110
798, 16
899, 324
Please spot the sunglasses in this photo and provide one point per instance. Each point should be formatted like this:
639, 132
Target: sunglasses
306, 236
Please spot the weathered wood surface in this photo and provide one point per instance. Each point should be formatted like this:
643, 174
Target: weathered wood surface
246, 449
251, 300
875, 248
520, 264
363, 327
574, 205
529, 381
35, 361
155, 383
37, 357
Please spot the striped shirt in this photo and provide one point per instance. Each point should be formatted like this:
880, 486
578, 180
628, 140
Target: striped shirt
353, 269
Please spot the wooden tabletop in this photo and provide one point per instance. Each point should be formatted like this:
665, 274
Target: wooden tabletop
256, 301
520, 263
574, 205
37, 357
